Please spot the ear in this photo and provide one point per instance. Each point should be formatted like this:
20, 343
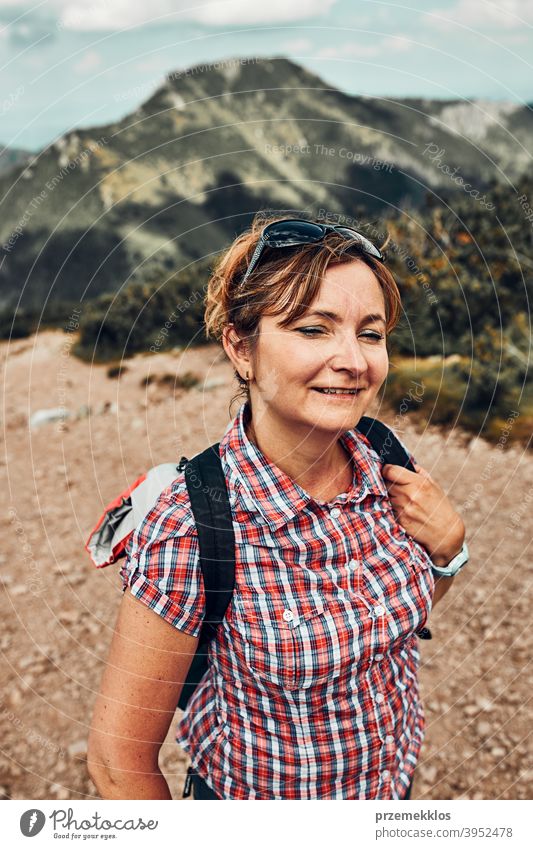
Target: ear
236, 349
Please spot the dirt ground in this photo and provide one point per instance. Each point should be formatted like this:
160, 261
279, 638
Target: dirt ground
58, 611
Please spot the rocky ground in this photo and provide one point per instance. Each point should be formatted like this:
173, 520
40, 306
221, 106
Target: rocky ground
58, 611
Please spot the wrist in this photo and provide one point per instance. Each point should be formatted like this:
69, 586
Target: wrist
442, 560
442, 556
454, 565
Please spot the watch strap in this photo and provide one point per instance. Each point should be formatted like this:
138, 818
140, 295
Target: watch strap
455, 565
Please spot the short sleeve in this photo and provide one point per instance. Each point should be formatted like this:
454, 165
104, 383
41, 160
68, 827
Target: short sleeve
162, 566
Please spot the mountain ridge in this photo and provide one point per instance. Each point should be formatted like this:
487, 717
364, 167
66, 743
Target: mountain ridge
178, 177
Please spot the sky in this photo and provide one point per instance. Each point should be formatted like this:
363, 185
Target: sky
82, 63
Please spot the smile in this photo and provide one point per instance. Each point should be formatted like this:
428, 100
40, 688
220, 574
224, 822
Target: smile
331, 391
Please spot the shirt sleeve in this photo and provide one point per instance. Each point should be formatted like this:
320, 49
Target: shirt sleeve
162, 567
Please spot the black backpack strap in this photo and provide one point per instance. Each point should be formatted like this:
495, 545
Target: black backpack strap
208, 494
390, 450
384, 442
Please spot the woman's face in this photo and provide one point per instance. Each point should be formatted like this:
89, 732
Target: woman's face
292, 366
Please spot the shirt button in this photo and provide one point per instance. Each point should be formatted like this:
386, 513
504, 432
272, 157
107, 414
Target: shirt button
353, 564
380, 698
389, 738
379, 610
288, 615
385, 773
378, 657
334, 512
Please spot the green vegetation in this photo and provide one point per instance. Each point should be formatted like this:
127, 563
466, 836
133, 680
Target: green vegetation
173, 381
154, 316
465, 336
116, 370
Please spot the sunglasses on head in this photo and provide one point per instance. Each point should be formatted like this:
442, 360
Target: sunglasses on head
298, 231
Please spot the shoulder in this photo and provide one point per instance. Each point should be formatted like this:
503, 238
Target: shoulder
163, 568
169, 517
388, 433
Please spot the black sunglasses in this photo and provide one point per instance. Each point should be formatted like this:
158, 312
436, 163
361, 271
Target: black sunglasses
298, 231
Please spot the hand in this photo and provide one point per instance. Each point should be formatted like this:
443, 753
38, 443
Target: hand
422, 507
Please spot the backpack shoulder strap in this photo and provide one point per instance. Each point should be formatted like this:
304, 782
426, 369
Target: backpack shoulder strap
384, 442
390, 450
208, 494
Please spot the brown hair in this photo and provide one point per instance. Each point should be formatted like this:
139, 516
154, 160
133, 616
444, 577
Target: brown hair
287, 278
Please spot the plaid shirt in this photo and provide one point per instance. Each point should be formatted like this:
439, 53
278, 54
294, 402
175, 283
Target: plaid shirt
311, 690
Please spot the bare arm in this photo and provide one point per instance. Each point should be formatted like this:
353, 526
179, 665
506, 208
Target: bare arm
147, 664
442, 585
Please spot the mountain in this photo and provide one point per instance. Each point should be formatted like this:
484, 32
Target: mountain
180, 176
12, 156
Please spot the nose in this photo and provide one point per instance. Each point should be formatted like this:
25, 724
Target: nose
349, 355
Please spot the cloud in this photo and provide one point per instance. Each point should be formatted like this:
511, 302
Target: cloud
483, 15
25, 26
350, 50
296, 45
89, 62
90, 15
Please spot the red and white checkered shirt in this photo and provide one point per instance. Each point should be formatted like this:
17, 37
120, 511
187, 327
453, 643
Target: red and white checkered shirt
311, 690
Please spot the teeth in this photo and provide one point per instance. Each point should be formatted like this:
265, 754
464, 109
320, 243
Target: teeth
339, 391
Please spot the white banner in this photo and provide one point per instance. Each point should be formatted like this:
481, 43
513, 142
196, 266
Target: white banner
356, 824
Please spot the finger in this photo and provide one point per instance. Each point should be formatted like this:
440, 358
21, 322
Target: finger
397, 474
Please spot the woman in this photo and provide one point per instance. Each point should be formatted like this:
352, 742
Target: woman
311, 690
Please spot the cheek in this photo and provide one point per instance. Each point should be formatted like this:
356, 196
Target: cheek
379, 366
298, 360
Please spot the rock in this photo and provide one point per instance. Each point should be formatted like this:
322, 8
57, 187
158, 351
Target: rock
15, 698
106, 407
498, 752
78, 749
83, 412
75, 580
470, 710
26, 662
59, 792
484, 728
429, 773
68, 617
46, 416
211, 384
484, 703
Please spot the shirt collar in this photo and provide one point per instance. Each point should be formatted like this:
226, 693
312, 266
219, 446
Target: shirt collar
276, 495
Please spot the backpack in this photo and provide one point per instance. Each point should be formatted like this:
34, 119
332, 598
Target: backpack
206, 486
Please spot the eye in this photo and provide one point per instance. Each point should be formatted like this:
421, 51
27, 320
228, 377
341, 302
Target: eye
373, 334
309, 331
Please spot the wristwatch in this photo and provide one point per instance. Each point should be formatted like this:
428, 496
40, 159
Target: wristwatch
455, 565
